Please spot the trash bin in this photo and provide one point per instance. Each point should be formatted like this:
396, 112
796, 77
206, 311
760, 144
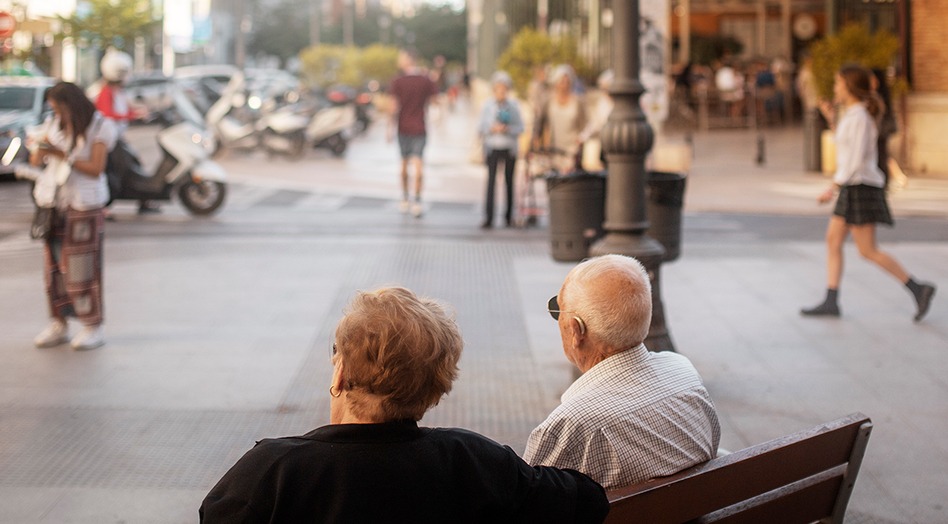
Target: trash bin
665, 197
577, 209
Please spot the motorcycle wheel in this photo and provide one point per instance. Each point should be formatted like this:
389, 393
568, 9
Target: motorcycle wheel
202, 198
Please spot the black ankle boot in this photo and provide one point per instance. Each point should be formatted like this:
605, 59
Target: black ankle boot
826, 309
923, 297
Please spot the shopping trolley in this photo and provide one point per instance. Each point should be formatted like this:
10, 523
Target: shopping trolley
537, 166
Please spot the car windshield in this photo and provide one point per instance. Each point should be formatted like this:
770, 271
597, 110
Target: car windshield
17, 98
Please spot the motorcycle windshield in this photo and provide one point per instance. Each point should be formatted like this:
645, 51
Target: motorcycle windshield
185, 107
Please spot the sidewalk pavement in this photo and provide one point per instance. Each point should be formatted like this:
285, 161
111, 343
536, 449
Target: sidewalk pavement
218, 330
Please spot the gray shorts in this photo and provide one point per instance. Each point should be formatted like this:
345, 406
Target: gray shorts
412, 145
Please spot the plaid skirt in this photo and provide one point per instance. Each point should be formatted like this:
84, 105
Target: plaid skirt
863, 204
73, 265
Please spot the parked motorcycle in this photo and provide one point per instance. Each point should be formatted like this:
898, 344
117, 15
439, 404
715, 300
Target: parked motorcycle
185, 169
319, 123
361, 100
234, 118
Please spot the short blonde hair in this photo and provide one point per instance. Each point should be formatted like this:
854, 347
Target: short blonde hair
400, 353
613, 296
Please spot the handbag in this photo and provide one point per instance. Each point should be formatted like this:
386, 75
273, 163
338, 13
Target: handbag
53, 177
43, 219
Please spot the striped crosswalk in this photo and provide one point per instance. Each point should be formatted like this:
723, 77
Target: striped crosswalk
16, 209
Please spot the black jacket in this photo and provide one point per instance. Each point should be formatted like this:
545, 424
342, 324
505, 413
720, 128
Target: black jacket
397, 472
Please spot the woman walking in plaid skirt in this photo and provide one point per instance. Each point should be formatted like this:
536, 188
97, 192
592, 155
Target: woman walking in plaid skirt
861, 203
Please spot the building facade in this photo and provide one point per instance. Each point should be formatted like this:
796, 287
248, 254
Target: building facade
926, 107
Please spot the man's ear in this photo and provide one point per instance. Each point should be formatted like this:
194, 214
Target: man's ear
577, 331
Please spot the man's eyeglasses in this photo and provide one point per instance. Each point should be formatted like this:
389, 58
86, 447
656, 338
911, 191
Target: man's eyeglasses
553, 306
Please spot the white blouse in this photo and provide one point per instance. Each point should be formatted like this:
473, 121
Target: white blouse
82, 192
857, 154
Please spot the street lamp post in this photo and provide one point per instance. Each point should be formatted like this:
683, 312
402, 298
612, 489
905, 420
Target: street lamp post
626, 139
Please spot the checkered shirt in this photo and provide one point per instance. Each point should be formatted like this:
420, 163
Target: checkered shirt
635, 416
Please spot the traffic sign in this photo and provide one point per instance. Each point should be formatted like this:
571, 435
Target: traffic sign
7, 24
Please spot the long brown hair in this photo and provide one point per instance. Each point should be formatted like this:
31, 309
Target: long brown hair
81, 109
858, 83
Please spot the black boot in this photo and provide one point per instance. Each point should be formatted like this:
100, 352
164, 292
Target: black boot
923, 294
828, 308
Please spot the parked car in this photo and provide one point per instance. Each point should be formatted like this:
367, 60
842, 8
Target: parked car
21, 106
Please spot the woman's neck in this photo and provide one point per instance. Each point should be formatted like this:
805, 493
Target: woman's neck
341, 411
849, 101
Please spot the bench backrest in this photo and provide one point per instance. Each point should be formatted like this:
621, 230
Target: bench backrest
801, 478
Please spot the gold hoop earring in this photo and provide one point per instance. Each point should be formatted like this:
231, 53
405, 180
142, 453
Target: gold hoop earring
336, 394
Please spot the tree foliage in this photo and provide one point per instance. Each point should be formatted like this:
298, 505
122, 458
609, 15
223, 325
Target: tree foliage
325, 65
854, 44
280, 29
530, 49
378, 62
107, 23
438, 30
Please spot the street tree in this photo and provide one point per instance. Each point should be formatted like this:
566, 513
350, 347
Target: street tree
105, 23
437, 30
280, 29
325, 65
530, 49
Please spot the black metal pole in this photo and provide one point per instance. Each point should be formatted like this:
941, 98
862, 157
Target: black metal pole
626, 139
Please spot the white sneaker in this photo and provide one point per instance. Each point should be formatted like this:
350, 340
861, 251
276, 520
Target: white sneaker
56, 333
417, 210
404, 206
90, 337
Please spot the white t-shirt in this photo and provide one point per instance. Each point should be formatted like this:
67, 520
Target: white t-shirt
81, 191
857, 155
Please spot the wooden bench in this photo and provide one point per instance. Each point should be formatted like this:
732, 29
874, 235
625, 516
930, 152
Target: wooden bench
801, 478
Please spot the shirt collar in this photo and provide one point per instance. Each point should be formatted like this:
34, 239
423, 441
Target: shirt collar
623, 361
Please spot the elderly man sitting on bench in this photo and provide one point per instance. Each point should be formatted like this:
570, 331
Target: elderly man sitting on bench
633, 415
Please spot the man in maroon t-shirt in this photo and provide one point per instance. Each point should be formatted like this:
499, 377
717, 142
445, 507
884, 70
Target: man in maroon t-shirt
411, 91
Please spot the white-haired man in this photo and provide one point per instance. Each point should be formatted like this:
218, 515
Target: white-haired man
633, 415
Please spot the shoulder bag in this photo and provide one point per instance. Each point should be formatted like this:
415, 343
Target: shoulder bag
45, 214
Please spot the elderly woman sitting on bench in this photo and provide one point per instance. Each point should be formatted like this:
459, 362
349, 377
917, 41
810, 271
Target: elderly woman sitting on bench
394, 356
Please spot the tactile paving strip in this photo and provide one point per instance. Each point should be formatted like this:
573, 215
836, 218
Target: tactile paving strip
129, 448
499, 392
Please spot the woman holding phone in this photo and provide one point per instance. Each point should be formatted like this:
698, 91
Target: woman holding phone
78, 135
